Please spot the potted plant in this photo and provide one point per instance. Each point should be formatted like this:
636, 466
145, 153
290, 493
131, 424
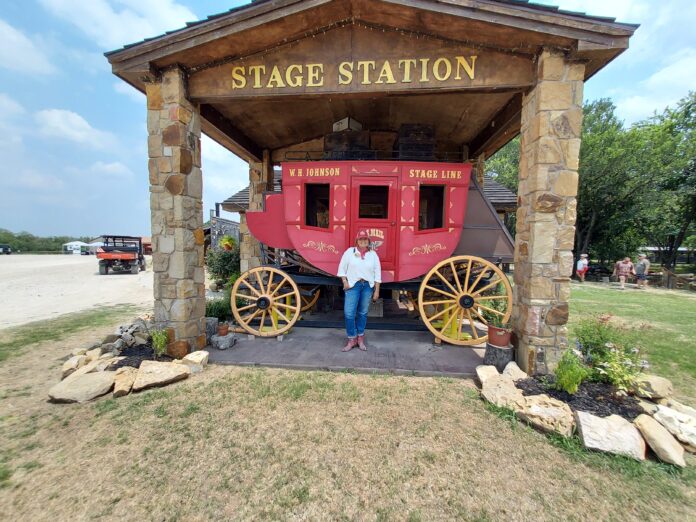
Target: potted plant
498, 331
223, 329
227, 242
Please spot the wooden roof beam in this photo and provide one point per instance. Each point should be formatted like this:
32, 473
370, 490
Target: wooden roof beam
500, 129
220, 129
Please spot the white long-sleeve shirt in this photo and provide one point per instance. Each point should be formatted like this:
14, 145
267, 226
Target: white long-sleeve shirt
354, 268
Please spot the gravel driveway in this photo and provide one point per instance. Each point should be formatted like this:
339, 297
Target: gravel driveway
42, 287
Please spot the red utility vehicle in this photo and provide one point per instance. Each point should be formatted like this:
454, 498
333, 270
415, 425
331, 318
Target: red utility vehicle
414, 213
121, 254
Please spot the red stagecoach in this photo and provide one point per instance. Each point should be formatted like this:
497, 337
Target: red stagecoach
437, 237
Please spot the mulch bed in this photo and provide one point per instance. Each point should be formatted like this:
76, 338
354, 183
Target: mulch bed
135, 355
593, 397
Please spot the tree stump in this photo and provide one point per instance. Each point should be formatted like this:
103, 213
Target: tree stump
498, 356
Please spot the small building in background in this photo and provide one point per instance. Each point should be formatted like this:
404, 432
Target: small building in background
74, 247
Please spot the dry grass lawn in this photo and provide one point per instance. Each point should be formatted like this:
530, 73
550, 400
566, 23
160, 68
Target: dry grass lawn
238, 443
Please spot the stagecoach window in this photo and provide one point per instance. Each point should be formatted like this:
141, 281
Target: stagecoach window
374, 202
317, 205
431, 207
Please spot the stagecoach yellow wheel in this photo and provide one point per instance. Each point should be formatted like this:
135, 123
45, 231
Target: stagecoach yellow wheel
458, 294
265, 301
309, 301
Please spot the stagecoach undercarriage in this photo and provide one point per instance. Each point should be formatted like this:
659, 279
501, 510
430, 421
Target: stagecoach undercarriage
453, 298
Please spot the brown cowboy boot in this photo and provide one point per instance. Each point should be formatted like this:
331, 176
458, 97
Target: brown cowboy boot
349, 345
361, 343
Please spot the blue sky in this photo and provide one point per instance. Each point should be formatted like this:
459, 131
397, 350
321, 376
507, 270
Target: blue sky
73, 137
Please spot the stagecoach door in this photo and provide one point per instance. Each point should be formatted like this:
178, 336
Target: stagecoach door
374, 209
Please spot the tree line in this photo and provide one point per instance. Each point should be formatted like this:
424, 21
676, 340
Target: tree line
637, 184
26, 242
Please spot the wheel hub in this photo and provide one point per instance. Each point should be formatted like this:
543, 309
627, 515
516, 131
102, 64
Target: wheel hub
466, 301
263, 303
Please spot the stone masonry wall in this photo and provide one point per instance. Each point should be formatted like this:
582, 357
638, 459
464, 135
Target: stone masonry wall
548, 183
260, 181
176, 205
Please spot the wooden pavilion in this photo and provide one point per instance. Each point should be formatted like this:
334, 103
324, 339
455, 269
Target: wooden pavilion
271, 77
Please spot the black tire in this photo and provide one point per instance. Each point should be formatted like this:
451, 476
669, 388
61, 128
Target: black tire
134, 269
103, 269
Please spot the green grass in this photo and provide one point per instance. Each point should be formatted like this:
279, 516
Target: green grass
16, 340
661, 323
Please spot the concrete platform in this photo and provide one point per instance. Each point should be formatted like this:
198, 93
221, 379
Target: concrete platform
397, 352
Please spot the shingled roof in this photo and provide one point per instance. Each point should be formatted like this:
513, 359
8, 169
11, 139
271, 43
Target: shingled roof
499, 196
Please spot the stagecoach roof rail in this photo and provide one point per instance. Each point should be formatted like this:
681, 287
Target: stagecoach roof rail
371, 155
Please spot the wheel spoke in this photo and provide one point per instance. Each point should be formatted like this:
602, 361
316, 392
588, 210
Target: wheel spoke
250, 317
473, 325
246, 307
244, 281
258, 278
248, 297
491, 310
438, 274
456, 277
483, 319
274, 321
483, 271
428, 287
488, 297
280, 315
460, 319
431, 319
282, 282
446, 301
497, 281
287, 307
285, 295
449, 321
466, 279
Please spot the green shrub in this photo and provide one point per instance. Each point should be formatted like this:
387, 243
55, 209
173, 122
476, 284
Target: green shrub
570, 372
219, 307
159, 342
610, 353
223, 263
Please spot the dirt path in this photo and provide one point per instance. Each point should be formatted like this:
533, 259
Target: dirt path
34, 288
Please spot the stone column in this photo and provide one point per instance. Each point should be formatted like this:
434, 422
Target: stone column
176, 205
548, 183
260, 181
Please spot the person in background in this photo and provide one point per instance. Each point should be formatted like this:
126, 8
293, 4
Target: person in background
642, 270
623, 269
361, 273
582, 267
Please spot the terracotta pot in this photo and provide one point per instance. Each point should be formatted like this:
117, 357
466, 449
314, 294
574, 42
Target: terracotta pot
499, 336
223, 329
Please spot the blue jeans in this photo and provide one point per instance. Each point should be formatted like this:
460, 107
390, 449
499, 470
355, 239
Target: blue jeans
355, 307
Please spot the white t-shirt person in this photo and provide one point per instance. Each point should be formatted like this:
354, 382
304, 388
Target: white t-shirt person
354, 268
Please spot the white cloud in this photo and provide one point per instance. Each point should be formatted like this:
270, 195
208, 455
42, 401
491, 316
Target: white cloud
114, 23
19, 53
129, 91
60, 123
9, 107
224, 174
114, 169
33, 180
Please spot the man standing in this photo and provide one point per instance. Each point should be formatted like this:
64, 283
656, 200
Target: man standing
582, 267
642, 269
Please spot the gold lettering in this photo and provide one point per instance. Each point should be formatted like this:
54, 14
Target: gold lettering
365, 65
407, 64
238, 79
294, 81
386, 73
411, 173
292, 172
424, 70
315, 74
275, 78
256, 70
436, 69
469, 69
345, 73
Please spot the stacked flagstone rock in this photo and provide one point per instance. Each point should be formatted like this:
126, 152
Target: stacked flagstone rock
667, 426
90, 372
